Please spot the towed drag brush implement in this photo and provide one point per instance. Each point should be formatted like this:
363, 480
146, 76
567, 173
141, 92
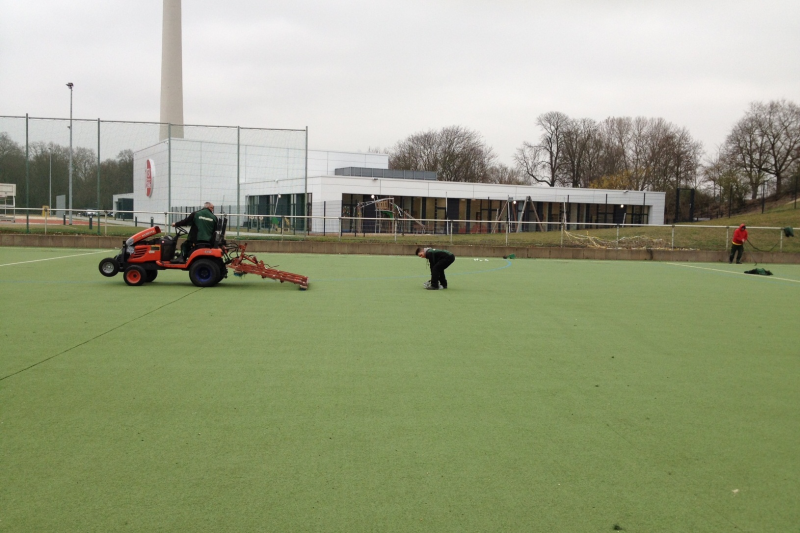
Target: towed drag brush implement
243, 263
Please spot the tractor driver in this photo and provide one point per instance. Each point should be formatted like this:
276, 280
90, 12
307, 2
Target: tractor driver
203, 224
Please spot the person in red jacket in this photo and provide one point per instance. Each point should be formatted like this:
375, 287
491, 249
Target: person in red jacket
737, 245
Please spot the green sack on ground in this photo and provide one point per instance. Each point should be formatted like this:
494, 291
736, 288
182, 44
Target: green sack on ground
759, 272
788, 231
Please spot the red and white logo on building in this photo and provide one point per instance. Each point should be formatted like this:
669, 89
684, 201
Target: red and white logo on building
149, 174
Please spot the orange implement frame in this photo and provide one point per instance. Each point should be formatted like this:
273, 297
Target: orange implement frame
248, 264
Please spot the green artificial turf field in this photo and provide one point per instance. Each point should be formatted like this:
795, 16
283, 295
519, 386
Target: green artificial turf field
532, 395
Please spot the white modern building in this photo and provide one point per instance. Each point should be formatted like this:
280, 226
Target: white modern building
276, 181
474, 204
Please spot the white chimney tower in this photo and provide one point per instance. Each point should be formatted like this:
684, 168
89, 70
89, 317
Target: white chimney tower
171, 70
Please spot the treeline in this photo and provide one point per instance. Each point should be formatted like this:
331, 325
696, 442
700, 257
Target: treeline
761, 152
49, 160
622, 153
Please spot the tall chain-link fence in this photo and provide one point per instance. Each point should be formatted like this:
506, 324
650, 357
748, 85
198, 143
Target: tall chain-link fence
73, 167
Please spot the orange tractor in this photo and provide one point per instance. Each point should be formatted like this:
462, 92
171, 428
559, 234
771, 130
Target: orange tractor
145, 254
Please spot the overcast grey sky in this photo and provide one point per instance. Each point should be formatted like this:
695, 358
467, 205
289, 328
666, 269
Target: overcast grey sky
369, 73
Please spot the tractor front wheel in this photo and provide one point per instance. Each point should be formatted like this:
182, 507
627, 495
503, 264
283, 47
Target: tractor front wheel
109, 267
135, 275
204, 273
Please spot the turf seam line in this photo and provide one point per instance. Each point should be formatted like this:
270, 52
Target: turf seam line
52, 258
98, 336
770, 278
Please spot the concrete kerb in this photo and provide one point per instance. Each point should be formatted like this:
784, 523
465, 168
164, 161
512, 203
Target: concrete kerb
357, 248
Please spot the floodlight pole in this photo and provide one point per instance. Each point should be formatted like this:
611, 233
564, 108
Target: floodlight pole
238, 177
27, 183
70, 85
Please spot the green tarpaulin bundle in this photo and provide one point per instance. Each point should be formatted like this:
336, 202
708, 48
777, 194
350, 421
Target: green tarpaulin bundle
759, 272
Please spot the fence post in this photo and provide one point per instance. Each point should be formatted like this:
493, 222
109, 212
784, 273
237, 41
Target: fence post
98, 176
617, 236
169, 170
27, 184
727, 232
781, 245
340, 228
672, 246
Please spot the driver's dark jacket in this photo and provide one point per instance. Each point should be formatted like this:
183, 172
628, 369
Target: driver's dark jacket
203, 224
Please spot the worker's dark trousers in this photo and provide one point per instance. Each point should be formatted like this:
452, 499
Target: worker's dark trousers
437, 270
736, 249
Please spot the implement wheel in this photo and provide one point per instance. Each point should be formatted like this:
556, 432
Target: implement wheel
204, 273
109, 267
135, 275
151, 275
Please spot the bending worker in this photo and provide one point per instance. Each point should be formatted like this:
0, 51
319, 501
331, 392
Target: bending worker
439, 260
737, 245
203, 224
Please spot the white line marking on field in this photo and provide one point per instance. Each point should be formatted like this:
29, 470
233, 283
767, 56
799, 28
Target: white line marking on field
729, 272
51, 258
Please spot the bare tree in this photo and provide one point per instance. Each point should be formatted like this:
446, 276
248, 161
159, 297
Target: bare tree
505, 175
541, 162
580, 153
528, 159
621, 152
779, 125
766, 142
728, 184
455, 153
747, 151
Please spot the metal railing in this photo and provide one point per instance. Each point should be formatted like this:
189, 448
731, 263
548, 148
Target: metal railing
418, 231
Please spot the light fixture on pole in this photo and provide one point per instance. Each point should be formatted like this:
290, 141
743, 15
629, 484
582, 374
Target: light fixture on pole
70, 152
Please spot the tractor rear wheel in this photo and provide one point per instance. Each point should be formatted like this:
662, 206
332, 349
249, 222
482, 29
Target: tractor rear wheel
204, 273
135, 275
151, 275
109, 267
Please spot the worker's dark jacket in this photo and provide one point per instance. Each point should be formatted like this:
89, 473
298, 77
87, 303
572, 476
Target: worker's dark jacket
434, 256
203, 225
